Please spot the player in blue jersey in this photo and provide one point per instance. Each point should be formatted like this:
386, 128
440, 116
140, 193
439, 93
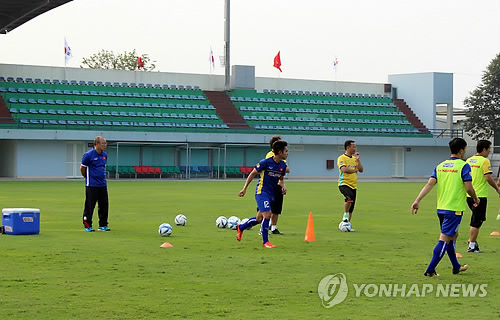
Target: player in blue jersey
271, 170
277, 205
93, 169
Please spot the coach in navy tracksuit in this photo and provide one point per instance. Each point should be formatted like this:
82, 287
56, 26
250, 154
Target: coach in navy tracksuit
93, 168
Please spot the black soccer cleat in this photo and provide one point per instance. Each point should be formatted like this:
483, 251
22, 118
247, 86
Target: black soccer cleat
276, 231
431, 274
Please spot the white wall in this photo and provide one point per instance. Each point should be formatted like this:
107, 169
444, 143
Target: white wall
47, 159
318, 85
40, 159
205, 81
416, 90
422, 91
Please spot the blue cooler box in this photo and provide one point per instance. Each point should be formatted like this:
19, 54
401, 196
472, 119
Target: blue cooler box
21, 221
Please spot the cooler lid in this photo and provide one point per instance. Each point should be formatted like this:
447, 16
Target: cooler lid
20, 210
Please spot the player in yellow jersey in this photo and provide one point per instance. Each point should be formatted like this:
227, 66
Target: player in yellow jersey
481, 178
349, 165
454, 183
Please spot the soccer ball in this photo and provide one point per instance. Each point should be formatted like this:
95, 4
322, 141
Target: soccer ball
221, 222
165, 230
233, 222
180, 220
243, 221
345, 226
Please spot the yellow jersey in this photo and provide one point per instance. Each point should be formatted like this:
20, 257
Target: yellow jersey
347, 179
480, 166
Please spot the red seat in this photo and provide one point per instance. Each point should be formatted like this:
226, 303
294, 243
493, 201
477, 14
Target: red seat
138, 169
157, 170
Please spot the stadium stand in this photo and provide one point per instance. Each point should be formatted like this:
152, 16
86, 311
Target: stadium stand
333, 113
84, 105
51, 104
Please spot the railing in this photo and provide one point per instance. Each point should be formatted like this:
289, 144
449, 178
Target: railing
443, 133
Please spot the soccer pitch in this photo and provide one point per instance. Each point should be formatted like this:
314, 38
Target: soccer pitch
66, 273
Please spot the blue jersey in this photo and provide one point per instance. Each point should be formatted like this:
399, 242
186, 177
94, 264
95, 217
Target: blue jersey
270, 173
96, 168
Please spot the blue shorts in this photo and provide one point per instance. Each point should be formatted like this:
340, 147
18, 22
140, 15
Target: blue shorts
264, 202
449, 223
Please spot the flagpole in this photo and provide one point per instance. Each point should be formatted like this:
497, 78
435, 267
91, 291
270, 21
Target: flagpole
335, 71
64, 58
279, 81
65, 67
335, 66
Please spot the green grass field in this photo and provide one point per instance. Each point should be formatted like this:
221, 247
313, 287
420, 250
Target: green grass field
66, 273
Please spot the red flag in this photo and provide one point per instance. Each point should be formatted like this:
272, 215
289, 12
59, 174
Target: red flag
277, 62
140, 63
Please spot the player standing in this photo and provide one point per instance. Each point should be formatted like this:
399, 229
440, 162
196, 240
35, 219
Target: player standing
93, 169
271, 170
481, 177
349, 165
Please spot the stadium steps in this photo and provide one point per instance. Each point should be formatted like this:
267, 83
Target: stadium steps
410, 115
226, 109
5, 115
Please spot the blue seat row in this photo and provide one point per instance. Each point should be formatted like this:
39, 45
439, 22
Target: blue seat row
325, 111
104, 93
114, 113
111, 104
196, 169
338, 129
326, 120
326, 93
100, 83
93, 123
305, 101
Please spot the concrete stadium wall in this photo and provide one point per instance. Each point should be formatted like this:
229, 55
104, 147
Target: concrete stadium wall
422, 91
205, 81
8, 166
40, 159
318, 85
50, 159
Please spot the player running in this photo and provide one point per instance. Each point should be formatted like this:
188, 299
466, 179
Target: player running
271, 170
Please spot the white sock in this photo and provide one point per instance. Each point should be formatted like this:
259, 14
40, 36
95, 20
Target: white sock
346, 216
273, 227
472, 245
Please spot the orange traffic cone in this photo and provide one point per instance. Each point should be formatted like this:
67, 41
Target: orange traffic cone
310, 229
166, 245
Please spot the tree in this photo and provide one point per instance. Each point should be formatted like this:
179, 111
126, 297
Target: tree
483, 104
106, 59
